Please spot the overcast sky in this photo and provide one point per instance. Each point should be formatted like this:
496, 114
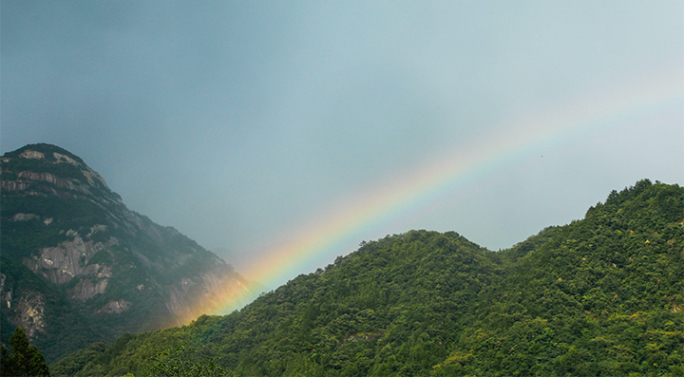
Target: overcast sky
241, 123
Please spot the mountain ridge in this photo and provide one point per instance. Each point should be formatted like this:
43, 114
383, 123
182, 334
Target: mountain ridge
79, 267
601, 296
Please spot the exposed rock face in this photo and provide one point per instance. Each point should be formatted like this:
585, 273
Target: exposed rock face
29, 154
6, 295
62, 263
24, 217
85, 289
52, 179
71, 248
60, 157
30, 314
63, 186
14, 185
115, 306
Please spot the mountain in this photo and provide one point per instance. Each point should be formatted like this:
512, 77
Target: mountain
601, 296
78, 267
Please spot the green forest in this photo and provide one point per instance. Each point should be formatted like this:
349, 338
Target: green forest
601, 296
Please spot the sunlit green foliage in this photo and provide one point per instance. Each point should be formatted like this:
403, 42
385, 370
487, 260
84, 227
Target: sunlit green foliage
601, 296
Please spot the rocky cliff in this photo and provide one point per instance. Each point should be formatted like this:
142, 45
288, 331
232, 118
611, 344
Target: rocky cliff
79, 267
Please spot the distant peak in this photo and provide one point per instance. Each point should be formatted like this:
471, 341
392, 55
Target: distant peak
50, 159
44, 151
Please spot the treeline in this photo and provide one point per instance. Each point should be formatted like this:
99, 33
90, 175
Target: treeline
601, 296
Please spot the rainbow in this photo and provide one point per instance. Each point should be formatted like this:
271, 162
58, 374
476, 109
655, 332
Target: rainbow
501, 145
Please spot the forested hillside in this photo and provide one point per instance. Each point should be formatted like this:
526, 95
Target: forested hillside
601, 296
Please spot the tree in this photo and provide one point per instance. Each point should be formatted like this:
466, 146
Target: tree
24, 360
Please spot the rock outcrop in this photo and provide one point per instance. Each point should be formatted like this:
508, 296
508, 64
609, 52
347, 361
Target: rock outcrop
67, 260
30, 314
79, 267
115, 307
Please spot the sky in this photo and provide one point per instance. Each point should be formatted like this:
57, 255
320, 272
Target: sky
283, 134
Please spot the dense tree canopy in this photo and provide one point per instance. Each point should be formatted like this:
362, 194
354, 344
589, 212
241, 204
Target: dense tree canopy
24, 359
601, 296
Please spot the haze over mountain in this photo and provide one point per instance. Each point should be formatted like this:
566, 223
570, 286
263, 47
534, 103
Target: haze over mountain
79, 267
255, 126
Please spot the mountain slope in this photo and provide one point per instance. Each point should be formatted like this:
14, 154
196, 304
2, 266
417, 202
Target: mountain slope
601, 296
381, 297
78, 267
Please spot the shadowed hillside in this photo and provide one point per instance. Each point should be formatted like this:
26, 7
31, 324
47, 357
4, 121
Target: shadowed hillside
78, 267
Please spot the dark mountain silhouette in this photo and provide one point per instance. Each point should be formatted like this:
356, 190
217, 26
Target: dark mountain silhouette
79, 267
